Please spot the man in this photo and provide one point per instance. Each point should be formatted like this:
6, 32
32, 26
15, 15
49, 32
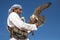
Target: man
16, 24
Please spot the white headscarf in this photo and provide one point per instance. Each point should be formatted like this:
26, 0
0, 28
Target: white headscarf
14, 6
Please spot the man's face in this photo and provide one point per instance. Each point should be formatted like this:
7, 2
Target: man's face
19, 11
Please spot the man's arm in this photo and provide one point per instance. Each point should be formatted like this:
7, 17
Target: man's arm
15, 19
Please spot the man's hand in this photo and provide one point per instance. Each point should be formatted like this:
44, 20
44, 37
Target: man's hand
37, 25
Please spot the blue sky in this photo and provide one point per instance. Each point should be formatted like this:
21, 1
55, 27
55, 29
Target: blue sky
49, 31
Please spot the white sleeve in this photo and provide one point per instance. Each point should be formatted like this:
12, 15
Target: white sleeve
15, 19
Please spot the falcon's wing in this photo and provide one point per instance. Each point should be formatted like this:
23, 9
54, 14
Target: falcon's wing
41, 8
36, 13
41, 20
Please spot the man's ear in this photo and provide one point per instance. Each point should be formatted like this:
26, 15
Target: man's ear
13, 10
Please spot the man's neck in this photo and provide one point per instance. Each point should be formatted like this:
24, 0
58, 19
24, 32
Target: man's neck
17, 13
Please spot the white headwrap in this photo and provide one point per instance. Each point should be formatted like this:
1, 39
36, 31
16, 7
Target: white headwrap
14, 6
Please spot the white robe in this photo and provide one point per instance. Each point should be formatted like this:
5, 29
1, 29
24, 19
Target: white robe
16, 39
14, 20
